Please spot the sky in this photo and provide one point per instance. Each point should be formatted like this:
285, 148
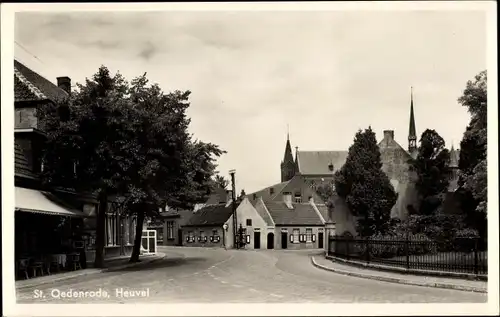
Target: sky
256, 75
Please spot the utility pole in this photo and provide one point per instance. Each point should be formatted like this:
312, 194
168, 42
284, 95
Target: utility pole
233, 204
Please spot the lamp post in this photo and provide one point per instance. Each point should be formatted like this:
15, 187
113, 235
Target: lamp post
233, 205
224, 227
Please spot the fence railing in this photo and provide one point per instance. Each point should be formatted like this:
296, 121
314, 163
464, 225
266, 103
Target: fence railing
459, 255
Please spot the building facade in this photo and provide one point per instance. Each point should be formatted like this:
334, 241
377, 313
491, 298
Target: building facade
31, 92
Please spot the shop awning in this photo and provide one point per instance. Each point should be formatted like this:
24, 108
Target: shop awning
31, 200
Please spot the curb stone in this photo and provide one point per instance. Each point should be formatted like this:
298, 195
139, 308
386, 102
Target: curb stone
401, 280
145, 260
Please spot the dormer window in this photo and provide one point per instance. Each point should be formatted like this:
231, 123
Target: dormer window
254, 196
271, 190
298, 198
330, 167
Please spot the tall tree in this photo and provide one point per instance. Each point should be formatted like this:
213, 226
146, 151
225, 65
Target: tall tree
473, 164
364, 186
87, 146
168, 166
433, 174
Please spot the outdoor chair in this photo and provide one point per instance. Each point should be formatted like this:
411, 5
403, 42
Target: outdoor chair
22, 267
74, 262
37, 266
52, 262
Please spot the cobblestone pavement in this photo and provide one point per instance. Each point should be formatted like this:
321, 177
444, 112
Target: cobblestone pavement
189, 275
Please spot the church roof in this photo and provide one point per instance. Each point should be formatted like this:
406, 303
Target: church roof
317, 162
30, 86
301, 214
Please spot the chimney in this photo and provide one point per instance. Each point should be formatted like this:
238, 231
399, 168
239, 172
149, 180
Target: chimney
388, 135
64, 83
287, 199
271, 191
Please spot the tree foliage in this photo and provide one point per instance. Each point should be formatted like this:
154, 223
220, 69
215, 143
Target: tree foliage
221, 182
473, 147
131, 140
364, 186
432, 168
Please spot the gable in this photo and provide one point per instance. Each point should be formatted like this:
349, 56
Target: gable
247, 211
266, 193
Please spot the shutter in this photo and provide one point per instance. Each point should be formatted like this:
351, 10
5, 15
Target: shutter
248, 239
314, 238
211, 239
205, 239
187, 239
291, 238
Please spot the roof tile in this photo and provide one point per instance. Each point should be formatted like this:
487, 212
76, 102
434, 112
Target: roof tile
301, 214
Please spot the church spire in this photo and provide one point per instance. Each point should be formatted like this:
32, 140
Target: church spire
412, 134
288, 163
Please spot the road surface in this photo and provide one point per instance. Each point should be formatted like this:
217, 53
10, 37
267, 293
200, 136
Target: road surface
188, 275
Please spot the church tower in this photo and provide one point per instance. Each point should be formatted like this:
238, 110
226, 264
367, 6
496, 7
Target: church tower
412, 135
288, 164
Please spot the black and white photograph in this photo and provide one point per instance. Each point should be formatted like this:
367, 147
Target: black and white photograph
254, 154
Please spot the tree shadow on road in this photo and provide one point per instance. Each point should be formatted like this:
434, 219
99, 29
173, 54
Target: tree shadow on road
162, 263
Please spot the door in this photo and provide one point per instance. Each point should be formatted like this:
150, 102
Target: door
270, 240
179, 237
256, 240
320, 240
284, 240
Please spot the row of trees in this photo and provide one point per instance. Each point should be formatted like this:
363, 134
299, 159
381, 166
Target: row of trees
370, 196
115, 138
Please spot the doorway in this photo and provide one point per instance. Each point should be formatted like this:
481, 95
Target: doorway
270, 240
284, 240
320, 240
179, 237
256, 240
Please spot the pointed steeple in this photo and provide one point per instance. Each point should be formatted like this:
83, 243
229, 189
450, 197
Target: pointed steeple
412, 134
288, 164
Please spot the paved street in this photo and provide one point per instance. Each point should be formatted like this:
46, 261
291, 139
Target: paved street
210, 276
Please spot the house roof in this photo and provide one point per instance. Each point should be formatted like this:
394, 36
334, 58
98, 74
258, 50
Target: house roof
261, 210
182, 215
211, 215
265, 193
323, 210
301, 214
317, 162
21, 167
30, 86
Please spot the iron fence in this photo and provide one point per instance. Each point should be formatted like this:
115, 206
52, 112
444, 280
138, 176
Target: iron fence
459, 255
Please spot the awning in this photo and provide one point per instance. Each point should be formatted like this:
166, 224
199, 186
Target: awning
30, 200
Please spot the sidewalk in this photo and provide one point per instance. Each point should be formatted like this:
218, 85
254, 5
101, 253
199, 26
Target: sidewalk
427, 281
111, 265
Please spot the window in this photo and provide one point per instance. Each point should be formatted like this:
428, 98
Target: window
249, 222
295, 235
159, 233
190, 237
309, 235
271, 190
170, 230
298, 198
202, 237
112, 229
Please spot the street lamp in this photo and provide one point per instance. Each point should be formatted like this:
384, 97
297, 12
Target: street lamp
224, 235
233, 204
